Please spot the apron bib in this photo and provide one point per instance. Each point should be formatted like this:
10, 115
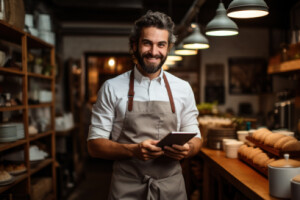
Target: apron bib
156, 179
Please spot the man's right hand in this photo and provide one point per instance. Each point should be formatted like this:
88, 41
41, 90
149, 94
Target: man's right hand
147, 150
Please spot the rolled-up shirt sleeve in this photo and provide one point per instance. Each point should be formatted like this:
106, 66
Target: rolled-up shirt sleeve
102, 113
190, 114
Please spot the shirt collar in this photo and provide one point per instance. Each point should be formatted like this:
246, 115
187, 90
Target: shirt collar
139, 77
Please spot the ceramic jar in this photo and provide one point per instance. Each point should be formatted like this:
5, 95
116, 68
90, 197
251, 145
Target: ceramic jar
280, 174
295, 190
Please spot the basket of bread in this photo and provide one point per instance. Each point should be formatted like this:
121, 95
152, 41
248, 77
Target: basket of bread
267, 146
256, 158
275, 143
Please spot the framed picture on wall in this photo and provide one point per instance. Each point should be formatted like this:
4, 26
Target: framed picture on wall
214, 83
248, 76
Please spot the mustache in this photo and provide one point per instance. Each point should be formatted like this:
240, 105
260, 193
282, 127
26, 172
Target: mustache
149, 55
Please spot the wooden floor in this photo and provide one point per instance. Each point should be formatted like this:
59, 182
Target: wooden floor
96, 182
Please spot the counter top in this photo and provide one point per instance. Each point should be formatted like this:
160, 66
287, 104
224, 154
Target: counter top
251, 183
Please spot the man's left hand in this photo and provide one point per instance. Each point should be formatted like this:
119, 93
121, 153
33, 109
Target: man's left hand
177, 152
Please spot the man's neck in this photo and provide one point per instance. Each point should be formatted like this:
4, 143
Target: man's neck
150, 76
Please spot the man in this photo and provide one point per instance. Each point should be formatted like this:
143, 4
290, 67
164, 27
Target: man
138, 108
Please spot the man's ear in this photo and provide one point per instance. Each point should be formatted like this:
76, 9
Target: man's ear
134, 48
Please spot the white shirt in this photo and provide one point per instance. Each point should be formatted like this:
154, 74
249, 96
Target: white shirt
109, 110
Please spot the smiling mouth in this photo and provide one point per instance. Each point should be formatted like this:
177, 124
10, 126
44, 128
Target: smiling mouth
152, 59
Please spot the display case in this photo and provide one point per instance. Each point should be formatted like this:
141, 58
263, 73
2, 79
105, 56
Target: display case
27, 128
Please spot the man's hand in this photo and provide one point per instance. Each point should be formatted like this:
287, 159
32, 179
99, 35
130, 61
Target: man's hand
147, 150
177, 152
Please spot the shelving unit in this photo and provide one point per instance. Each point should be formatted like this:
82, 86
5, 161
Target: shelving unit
287, 66
21, 187
286, 61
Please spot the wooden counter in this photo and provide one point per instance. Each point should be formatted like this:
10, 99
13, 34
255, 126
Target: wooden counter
245, 179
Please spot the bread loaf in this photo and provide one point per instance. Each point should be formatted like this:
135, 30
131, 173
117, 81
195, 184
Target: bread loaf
264, 135
256, 134
248, 151
254, 152
292, 145
260, 159
242, 149
272, 139
279, 144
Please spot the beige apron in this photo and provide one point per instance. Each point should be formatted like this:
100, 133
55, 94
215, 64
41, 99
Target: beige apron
156, 179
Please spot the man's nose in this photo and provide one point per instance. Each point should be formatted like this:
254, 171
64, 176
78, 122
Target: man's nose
154, 50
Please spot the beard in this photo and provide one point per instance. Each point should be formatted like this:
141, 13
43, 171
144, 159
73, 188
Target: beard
149, 68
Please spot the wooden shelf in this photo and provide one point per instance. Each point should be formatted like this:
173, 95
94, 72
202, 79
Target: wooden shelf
39, 135
291, 62
11, 108
9, 145
35, 42
65, 132
288, 66
41, 105
40, 165
17, 180
41, 76
11, 71
10, 33
14, 38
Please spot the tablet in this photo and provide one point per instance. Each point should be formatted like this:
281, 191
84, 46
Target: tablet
179, 138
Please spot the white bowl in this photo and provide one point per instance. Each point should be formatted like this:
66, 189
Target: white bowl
231, 149
225, 140
242, 135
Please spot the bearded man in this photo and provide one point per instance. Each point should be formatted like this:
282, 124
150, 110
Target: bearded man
136, 109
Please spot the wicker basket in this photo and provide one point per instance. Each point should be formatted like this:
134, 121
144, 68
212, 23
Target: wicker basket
15, 13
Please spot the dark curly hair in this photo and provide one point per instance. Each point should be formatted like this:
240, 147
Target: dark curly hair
152, 19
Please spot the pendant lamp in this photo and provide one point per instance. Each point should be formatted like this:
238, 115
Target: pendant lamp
172, 56
195, 40
247, 9
179, 50
221, 25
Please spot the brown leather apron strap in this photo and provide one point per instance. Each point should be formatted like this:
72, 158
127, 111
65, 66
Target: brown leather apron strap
169, 93
131, 92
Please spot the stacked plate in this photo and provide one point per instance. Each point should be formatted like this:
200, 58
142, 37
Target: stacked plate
8, 132
20, 130
216, 135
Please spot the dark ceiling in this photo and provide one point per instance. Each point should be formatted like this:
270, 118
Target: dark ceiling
127, 11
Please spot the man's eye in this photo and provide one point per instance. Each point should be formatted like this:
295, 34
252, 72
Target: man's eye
162, 45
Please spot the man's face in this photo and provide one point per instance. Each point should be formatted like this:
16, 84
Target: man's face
152, 49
